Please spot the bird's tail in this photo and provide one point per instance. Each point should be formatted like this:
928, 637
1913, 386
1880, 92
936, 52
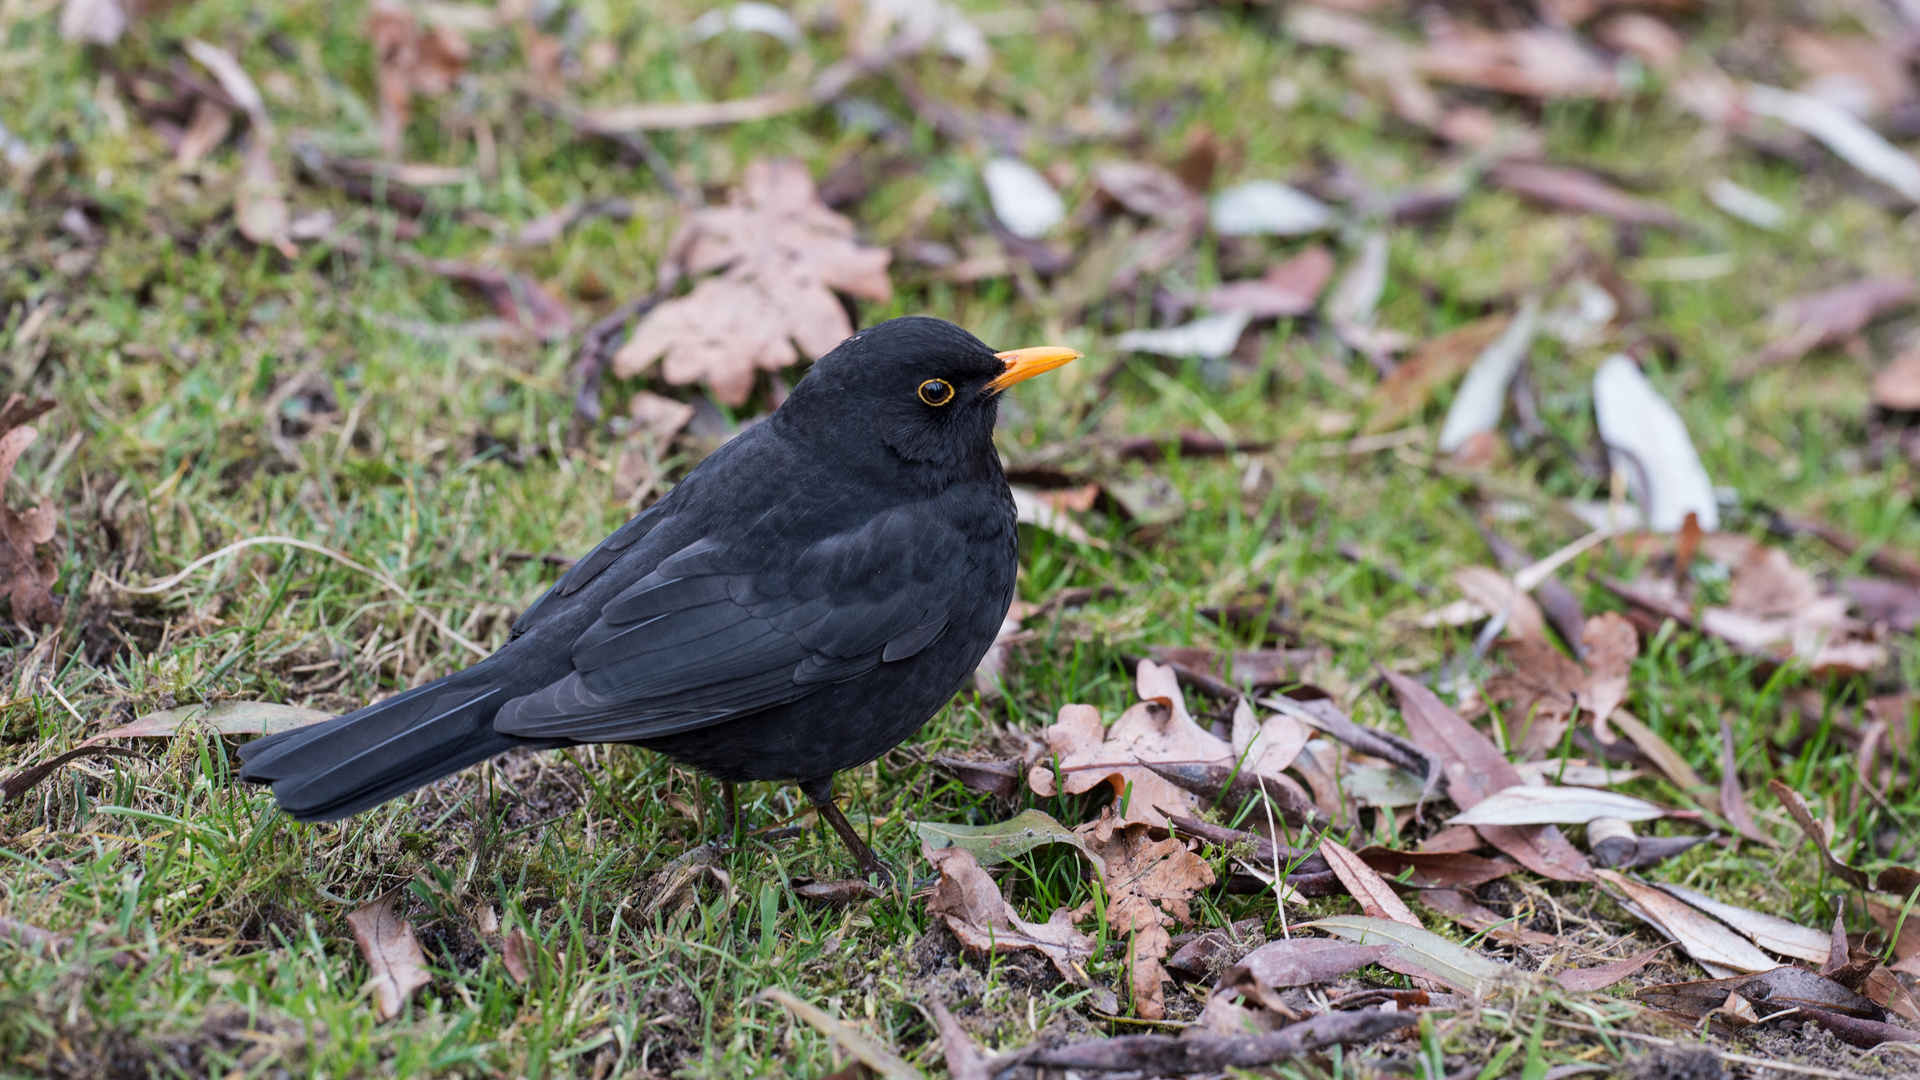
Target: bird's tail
340, 767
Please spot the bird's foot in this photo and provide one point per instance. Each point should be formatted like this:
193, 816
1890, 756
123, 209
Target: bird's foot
821, 795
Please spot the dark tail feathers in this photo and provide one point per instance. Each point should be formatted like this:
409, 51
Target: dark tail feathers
338, 768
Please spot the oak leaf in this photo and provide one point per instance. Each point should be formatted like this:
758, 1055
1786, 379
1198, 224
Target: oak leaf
781, 255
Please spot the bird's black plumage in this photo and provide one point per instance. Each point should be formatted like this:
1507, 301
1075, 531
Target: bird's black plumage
799, 604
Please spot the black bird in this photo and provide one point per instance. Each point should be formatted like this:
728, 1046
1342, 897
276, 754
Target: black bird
799, 604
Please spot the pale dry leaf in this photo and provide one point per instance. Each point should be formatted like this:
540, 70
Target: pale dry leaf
209, 127
781, 255
397, 968
517, 955
982, 919
1648, 442
1088, 755
1401, 395
1376, 897
1482, 395
26, 575
1770, 932
1021, 198
1704, 938
1419, 952
95, 22
1842, 132
1149, 191
1612, 644
1896, 387
1863, 75
1212, 337
1529, 805
1538, 62
1267, 208
225, 718
1494, 592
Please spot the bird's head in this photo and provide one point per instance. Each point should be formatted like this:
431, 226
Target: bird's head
922, 387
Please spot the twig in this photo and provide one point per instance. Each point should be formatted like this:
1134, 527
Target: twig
305, 545
596, 352
1723, 1055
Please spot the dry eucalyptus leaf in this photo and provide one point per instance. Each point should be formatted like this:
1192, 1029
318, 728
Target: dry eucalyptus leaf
781, 255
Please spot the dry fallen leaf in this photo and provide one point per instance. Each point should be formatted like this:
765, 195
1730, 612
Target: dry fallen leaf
1376, 897
982, 919
96, 22
1300, 961
412, 59
781, 255
1087, 754
1148, 884
1572, 189
1461, 907
520, 956
1704, 938
1401, 395
1805, 323
260, 198
1475, 769
27, 577
397, 968
1287, 289
1535, 62
1896, 387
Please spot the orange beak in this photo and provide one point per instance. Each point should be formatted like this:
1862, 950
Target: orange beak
1024, 364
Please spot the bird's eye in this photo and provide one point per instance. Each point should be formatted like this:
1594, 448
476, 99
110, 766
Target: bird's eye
936, 392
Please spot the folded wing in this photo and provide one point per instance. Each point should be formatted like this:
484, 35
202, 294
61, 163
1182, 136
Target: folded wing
714, 632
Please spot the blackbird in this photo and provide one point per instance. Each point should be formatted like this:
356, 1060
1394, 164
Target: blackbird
799, 604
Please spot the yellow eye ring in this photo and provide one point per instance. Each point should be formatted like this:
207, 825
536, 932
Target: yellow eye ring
936, 392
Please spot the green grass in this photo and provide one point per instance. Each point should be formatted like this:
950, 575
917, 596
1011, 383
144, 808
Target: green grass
443, 459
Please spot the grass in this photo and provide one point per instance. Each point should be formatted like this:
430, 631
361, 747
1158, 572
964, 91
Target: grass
443, 459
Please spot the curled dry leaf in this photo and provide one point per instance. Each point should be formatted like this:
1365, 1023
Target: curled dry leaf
781, 254
27, 576
1088, 754
1704, 938
397, 968
1300, 961
1818, 832
1544, 685
411, 59
982, 919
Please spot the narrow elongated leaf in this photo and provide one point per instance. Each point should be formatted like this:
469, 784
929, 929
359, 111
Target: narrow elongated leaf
1010, 839
1601, 976
222, 717
1419, 952
1525, 805
1376, 897
1817, 832
874, 1056
1704, 938
1784, 936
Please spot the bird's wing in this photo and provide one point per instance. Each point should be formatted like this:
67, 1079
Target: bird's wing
717, 631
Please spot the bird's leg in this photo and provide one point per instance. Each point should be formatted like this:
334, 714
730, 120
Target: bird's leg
730, 796
820, 793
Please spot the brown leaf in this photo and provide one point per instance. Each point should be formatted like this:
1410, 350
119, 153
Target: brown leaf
396, 966
1286, 290
1436, 869
781, 255
1494, 592
1148, 884
1611, 645
1376, 897
1733, 800
411, 59
1438, 362
1770, 932
224, 717
1896, 387
1776, 988
96, 22
26, 575
209, 127
982, 919
18, 784
1884, 988
1294, 962
519, 956
1816, 831
1538, 62
1461, 907
1767, 583
1807, 322
1000, 778
1475, 769
838, 892
1888, 918
1149, 191
1573, 189
1156, 730
1589, 979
